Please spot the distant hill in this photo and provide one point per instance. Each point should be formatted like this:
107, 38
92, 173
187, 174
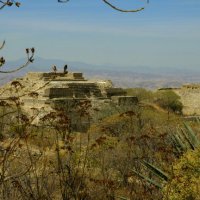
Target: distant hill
123, 76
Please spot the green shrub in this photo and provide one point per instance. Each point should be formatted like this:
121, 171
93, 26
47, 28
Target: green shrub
169, 101
185, 183
141, 93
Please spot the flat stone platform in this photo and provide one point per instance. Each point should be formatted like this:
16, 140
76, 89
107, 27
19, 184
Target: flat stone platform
59, 76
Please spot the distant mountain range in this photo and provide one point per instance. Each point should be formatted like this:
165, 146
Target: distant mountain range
122, 76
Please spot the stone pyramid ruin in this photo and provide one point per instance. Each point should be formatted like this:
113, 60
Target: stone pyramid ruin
45, 91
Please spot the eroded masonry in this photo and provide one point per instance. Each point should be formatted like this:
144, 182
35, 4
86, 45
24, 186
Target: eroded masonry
190, 98
48, 91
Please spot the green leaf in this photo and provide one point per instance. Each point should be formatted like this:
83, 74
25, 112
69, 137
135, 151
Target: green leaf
193, 138
147, 179
159, 173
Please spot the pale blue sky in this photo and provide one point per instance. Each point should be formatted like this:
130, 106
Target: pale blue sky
165, 34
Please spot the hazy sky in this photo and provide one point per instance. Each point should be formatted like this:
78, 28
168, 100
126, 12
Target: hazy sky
166, 33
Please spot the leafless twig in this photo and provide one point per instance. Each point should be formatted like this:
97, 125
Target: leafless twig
112, 6
123, 10
30, 59
9, 3
62, 1
1, 47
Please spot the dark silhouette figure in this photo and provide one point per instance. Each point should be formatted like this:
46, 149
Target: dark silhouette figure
54, 68
65, 69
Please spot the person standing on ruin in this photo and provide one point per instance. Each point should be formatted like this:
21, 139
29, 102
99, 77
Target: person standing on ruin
65, 69
54, 68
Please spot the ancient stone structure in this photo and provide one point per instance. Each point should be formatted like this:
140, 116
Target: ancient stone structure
46, 91
190, 98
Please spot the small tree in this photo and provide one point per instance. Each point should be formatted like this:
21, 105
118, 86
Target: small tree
141, 93
168, 100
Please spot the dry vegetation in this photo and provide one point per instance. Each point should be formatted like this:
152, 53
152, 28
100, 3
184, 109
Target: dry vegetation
140, 152
109, 161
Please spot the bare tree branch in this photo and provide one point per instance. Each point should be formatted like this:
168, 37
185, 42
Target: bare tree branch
3, 44
62, 1
17, 69
30, 59
3, 4
12, 2
112, 6
9, 3
122, 10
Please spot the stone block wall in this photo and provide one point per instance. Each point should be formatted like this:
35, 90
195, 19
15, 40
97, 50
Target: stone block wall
58, 93
73, 90
115, 92
190, 98
56, 76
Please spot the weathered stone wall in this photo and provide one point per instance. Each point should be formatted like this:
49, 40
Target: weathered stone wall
190, 98
115, 92
57, 76
43, 92
58, 93
73, 90
71, 107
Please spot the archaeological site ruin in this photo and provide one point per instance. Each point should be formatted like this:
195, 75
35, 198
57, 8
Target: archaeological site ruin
46, 92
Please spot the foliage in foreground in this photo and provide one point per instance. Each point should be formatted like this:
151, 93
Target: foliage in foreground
185, 183
51, 161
